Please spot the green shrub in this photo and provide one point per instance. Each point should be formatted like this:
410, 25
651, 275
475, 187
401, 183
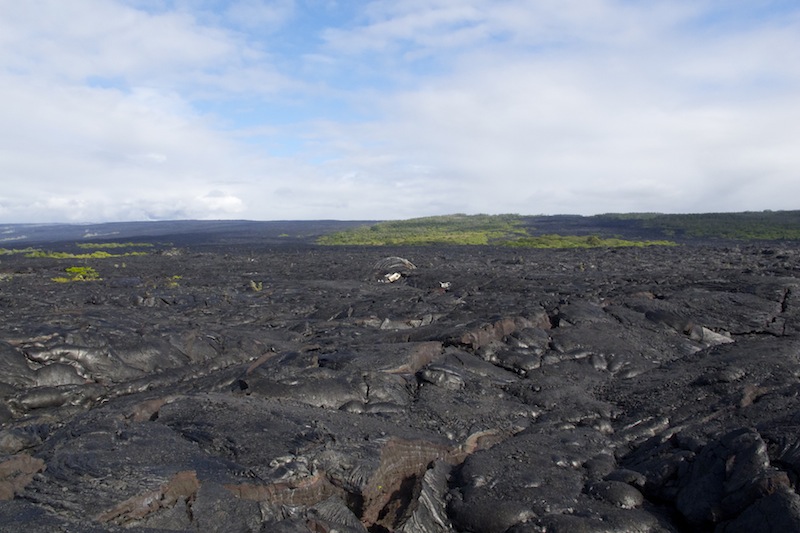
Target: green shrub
100, 254
506, 230
6, 251
748, 225
172, 282
573, 241
448, 229
78, 273
89, 245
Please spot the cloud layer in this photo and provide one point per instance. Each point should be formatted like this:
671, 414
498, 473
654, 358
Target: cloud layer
311, 109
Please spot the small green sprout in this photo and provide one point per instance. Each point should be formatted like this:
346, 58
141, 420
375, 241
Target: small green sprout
173, 281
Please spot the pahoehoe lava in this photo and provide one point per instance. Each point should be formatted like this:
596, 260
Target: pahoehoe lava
293, 388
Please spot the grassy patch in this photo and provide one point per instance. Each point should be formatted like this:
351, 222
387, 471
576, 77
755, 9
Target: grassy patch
99, 254
749, 225
448, 229
78, 273
96, 254
506, 230
12, 251
573, 241
111, 245
173, 281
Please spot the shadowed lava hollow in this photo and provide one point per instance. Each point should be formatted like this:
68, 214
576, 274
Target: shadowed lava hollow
300, 388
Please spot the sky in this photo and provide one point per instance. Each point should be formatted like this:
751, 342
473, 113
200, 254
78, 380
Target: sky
119, 110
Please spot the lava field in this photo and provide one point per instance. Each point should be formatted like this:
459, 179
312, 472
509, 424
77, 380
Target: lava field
295, 388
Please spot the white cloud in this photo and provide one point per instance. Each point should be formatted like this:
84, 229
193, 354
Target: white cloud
644, 119
411, 108
411, 22
134, 147
92, 154
102, 38
260, 15
109, 44
219, 202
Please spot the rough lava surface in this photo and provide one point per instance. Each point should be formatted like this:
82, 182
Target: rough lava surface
300, 388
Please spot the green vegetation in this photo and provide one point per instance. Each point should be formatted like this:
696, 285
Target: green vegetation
515, 230
750, 225
505, 230
97, 254
7, 251
172, 282
78, 273
91, 245
448, 229
100, 254
572, 241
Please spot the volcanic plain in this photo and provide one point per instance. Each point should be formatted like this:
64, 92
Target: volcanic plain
291, 387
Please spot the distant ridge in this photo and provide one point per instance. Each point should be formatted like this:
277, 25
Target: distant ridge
575, 231
682, 228
175, 231
747, 225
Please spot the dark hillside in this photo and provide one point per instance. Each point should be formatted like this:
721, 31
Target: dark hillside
449, 229
179, 232
751, 225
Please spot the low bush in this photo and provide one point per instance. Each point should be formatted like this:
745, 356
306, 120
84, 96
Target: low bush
78, 273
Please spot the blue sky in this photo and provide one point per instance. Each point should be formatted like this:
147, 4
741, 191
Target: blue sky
308, 109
